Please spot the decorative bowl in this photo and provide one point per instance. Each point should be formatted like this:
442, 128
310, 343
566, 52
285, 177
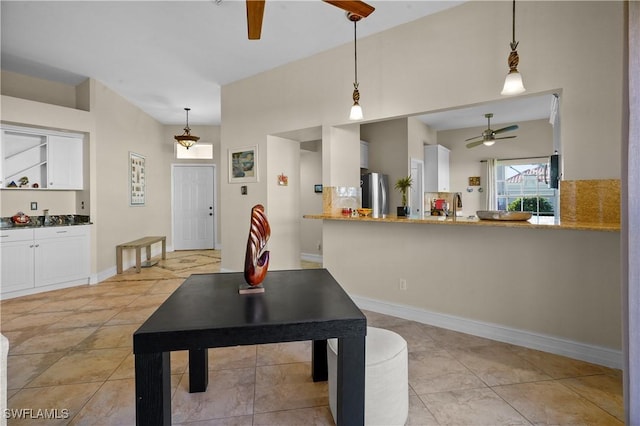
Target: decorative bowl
503, 215
364, 212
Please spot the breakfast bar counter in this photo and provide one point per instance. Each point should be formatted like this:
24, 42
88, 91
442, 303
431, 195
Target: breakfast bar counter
533, 223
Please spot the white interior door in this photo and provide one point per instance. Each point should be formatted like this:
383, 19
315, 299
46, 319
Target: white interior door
416, 192
193, 209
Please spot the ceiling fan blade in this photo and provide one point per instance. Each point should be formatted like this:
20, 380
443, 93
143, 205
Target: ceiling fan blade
255, 12
474, 144
506, 137
506, 129
356, 7
475, 137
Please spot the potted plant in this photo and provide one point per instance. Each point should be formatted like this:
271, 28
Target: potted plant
403, 185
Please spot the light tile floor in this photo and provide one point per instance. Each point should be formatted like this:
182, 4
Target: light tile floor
71, 350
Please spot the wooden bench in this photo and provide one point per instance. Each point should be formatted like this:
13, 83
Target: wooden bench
138, 244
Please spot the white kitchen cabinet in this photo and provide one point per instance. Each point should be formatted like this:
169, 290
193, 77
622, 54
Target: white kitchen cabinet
16, 252
62, 254
436, 165
38, 259
64, 162
364, 155
47, 159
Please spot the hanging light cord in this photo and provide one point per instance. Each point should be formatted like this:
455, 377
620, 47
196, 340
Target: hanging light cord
355, 52
514, 43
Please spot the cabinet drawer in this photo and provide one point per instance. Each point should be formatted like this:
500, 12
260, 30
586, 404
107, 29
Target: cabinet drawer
61, 231
11, 235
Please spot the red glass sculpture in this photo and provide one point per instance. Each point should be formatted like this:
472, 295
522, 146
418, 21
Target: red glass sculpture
256, 260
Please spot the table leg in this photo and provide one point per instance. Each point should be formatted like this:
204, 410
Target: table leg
138, 259
149, 252
350, 383
198, 370
319, 370
164, 247
153, 389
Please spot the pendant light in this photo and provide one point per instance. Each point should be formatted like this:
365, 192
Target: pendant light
187, 139
513, 83
356, 109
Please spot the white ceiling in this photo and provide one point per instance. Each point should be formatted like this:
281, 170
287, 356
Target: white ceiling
505, 111
166, 55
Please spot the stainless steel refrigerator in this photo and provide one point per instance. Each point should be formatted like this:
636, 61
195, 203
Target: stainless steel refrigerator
375, 192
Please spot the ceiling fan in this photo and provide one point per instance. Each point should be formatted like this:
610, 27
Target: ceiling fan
255, 12
488, 137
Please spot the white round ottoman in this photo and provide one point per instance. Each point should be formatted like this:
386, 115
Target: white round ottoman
386, 399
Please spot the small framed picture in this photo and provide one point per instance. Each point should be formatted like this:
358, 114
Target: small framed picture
317, 188
243, 164
137, 180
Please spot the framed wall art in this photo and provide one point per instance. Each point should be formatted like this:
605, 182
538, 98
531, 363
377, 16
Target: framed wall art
243, 164
137, 179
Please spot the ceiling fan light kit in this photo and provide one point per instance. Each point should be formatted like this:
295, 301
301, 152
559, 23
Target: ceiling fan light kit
488, 136
513, 82
187, 139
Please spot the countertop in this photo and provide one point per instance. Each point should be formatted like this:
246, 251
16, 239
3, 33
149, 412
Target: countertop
38, 222
533, 223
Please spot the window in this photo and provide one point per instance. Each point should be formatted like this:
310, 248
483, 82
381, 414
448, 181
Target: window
199, 151
523, 185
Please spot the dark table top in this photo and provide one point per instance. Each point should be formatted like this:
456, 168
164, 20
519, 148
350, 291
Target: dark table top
207, 311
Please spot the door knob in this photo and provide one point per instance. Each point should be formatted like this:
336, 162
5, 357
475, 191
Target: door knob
210, 214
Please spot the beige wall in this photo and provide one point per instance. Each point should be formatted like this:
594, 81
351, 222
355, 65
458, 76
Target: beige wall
112, 128
36, 89
440, 62
557, 283
459, 63
310, 201
388, 153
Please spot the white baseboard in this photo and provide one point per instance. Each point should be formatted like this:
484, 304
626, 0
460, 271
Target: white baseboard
311, 257
576, 350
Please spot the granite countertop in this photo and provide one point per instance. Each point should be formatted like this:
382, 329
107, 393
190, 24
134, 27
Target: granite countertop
533, 223
55, 220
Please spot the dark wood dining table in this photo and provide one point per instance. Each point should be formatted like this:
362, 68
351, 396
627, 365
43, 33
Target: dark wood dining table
207, 311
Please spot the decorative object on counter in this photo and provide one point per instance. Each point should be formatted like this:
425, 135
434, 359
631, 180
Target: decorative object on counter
356, 109
243, 164
24, 181
35, 186
12, 184
21, 219
256, 260
137, 179
403, 185
513, 82
364, 212
187, 139
283, 180
503, 215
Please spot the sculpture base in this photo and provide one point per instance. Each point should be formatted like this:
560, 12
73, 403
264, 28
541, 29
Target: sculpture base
247, 289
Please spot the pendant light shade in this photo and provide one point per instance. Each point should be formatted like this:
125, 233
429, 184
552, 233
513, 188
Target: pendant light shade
356, 109
187, 139
513, 82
